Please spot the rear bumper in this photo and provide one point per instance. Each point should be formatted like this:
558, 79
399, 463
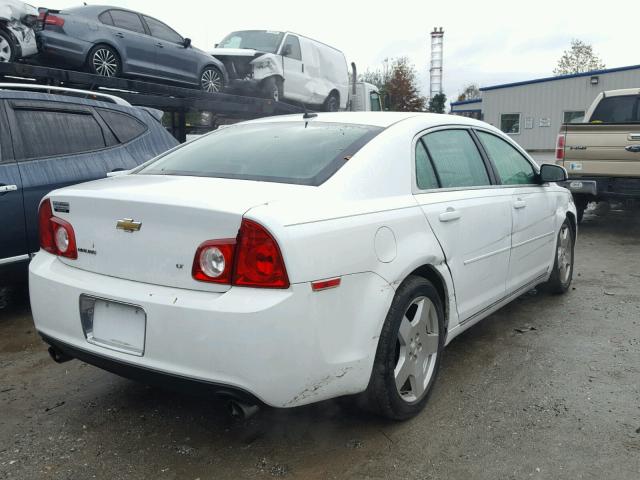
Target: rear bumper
284, 347
605, 187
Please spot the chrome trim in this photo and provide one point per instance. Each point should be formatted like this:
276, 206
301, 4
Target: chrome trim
539, 237
19, 258
8, 188
504, 300
487, 255
103, 97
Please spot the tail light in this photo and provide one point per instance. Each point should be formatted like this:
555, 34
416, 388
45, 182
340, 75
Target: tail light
560, 147
56, 235
50, 19
252, 260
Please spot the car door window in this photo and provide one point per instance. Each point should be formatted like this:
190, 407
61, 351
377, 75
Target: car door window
105, 17
425, 175
47, 133
512, 167
127, 21
162, 31
456, 159
124, 127
293, 45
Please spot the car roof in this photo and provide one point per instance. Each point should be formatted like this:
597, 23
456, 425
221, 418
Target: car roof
621, 92
378, 119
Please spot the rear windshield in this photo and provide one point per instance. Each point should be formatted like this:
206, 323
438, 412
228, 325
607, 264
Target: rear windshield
303, 153
619, 109
261, 40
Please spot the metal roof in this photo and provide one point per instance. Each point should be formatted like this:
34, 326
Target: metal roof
561, 77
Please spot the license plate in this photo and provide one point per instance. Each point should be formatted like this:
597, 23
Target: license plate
114, 325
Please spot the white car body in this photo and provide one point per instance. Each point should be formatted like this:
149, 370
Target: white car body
368, 225
309, 74
12, 14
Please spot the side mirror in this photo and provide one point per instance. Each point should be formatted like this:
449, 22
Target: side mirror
552, 173
286, 50
216, 45
186, 43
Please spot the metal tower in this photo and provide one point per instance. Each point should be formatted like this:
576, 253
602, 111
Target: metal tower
436, 61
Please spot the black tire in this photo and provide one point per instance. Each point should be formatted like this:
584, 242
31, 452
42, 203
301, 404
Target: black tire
211, 79
332, 103
272, 89
581, 203
7, 47
561, 276
105, 61
382, 395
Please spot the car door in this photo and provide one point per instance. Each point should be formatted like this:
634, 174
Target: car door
179, 63
13, 244
295, 79
138, 49
533, 234
470, 216
58, 144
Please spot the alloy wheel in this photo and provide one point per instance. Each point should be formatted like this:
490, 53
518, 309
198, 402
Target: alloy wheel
211, 81
565, 254
5, 50
105, 62
416, 349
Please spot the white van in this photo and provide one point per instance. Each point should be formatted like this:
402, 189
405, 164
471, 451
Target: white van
285, 65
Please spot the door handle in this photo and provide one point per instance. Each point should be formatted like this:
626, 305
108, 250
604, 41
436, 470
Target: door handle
119, 35
450, 215
633, 148
519, 203
8, 188
303, 68
160, 45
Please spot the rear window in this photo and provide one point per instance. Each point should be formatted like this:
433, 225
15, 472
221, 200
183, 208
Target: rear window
124, 126
620, 109
304, 153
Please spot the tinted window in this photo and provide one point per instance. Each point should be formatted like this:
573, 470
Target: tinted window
54, 133
375, 102
125, 127
425, 176
456, 159
293, 44
512, 167
621, 109
162, 31
263, 41
105, 17
510, 123
127, 20
292, 152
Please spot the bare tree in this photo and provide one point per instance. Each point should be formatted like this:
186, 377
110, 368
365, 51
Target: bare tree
470, 92
577, 59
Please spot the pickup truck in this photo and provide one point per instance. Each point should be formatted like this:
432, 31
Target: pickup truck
602, 154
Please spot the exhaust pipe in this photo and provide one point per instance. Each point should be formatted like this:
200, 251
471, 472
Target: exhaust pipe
241, 411
58, 356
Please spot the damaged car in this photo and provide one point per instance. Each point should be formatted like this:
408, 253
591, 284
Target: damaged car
17, 34
285, 66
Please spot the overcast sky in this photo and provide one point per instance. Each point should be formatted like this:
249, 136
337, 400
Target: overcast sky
486, 42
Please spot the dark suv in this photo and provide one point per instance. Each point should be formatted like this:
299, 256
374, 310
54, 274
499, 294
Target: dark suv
49, 141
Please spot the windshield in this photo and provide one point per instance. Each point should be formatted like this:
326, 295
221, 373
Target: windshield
303, 153
261, 40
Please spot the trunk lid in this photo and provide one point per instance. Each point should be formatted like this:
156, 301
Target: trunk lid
175, 215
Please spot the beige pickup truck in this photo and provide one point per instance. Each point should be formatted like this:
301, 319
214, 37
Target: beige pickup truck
602, 154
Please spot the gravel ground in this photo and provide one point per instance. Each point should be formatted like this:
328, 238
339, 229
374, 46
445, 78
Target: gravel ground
546, 388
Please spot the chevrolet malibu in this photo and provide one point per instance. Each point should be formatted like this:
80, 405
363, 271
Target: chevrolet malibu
294, 259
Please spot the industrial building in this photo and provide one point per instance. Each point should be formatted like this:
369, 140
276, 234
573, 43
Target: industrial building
531, 112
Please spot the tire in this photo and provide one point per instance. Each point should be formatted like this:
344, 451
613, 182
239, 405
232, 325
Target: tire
105, 61
272, 89
332, 103
407, 339
7, 48
562, 273
211, 80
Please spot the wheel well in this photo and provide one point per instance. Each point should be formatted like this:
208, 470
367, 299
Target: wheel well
335, 93
573, 220
428, 272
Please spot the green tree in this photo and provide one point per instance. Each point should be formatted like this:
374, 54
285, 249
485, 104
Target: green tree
402, 87
437, 103
470, 92
579, 58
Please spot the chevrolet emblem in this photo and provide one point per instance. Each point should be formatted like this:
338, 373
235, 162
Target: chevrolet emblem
128, 225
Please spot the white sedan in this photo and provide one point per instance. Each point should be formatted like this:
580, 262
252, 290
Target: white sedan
294, 259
